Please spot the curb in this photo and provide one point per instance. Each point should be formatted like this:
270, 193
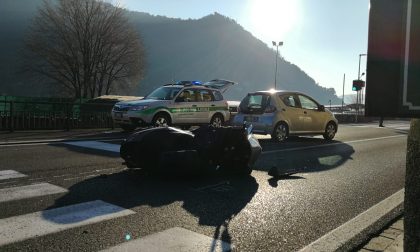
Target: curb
358, 230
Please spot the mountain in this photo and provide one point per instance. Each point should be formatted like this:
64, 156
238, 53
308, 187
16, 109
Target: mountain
15, 17
212, 47
351, 98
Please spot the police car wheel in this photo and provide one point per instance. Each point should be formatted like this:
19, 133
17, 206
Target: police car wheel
161, 120
217, 121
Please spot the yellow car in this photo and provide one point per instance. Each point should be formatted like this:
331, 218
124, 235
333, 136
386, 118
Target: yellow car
284, 113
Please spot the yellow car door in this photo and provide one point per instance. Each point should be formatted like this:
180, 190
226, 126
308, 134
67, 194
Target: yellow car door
314, 118
292, 113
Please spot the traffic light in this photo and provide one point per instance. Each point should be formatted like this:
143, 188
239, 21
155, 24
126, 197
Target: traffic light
358, 85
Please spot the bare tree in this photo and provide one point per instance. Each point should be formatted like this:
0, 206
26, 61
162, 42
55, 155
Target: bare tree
87, 48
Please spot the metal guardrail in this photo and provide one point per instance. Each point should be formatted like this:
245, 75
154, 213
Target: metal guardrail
18, 115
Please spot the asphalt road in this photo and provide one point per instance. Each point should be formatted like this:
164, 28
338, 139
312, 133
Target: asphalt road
332, 183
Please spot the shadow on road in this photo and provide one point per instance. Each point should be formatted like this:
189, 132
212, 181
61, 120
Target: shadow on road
89, 150
302, 154
273, 181
213, 200
402, 131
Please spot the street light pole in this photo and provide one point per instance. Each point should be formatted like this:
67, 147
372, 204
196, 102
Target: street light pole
342, 101
277, 55
360, 56
358, 77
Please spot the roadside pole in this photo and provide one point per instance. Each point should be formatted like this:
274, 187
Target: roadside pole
12, 117
412, 189
342, 101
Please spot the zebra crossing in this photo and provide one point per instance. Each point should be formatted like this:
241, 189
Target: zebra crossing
9, 174
19, 228
173, 239
29, 191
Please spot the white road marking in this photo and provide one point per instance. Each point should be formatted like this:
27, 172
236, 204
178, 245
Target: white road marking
353, 232
88, 172
110, 169
70, 176
19, 228
96, 145
49, 141
34, 179
10, 174
174, 239
29, 191
402, 126
331, 144
80, 177
63, 175
211, 186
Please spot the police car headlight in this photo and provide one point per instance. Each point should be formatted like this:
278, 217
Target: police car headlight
139, 107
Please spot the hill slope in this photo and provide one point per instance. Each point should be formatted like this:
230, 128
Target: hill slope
214, 46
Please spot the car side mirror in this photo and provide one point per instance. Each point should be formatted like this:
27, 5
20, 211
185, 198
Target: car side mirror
179, 99
321, 108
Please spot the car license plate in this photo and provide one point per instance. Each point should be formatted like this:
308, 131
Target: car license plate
250, 119
118, 114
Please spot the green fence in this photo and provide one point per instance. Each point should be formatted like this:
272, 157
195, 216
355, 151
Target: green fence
27, 113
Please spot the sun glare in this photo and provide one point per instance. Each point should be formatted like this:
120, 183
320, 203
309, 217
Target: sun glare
272, 19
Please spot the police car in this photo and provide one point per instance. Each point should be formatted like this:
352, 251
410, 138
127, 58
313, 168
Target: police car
183, 103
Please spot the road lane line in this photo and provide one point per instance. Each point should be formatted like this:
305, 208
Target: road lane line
356, 231
35, 179
210, 186
110, 169
22, 227
331, 144
29, 191
10, 174
63, 175
50, 141
81, 177
374, 139
173, 239
88, 172
96, 145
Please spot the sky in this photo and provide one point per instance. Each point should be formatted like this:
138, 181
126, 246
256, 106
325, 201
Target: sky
322, 37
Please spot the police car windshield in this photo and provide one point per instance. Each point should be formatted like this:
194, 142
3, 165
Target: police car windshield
163, 93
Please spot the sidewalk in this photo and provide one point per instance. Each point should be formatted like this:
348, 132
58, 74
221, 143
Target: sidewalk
389, 240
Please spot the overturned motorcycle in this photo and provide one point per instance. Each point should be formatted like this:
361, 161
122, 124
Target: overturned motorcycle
231, 150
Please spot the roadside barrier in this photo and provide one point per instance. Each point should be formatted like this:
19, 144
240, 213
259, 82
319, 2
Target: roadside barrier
24, 115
